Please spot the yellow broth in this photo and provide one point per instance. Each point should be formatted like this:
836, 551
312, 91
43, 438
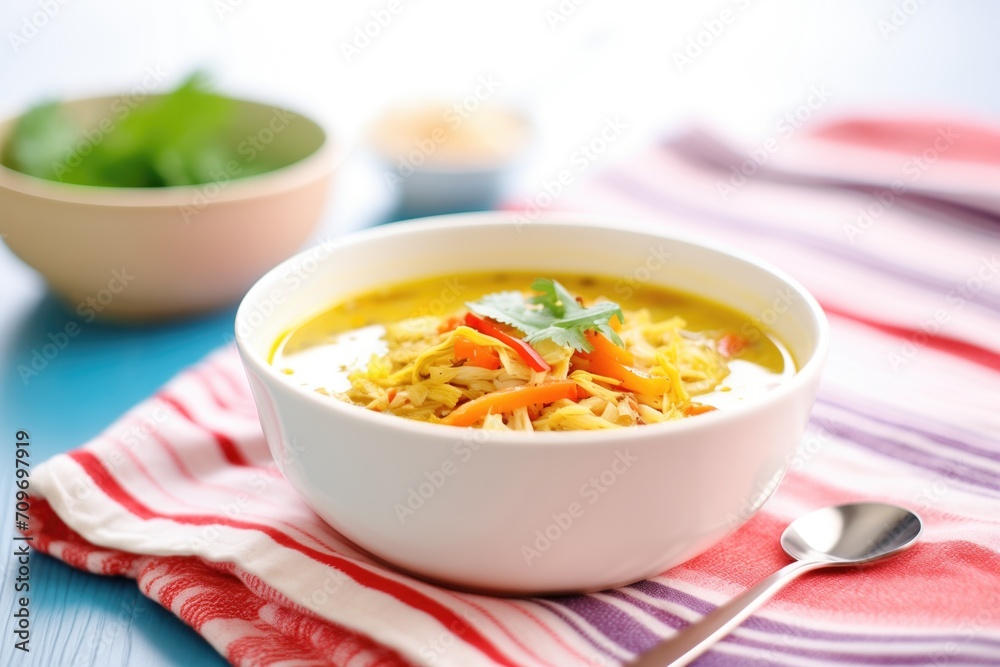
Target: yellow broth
321, 352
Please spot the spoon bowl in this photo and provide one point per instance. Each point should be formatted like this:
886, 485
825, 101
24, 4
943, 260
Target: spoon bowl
851, 534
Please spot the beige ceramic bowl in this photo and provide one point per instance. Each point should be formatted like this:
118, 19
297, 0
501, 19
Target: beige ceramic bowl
152, 253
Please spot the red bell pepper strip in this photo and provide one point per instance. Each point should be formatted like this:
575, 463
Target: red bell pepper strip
525, 351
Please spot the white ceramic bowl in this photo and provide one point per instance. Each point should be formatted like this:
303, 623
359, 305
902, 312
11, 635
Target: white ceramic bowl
529, 513
154, 253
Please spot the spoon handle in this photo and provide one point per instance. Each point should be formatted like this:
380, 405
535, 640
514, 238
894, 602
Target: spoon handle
697, 638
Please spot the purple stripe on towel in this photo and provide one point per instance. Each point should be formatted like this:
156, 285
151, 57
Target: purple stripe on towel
614, 623
660, 591
955, 470
549, 605
938, 438
942, 655
946, 441
723, 220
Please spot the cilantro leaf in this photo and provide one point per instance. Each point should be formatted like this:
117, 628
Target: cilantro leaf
554, 297
511, 308
553, 314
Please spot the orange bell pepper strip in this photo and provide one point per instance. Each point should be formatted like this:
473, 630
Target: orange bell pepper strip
631, 379
524, 350
506, 400
604, 345
475, 354
693, 409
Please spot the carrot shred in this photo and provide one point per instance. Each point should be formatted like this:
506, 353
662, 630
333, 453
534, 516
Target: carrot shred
579, 363
631, 379
475, 354
506, 400
449, 324
732, 344
692, 409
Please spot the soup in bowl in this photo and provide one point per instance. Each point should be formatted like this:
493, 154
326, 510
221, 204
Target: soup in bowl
557, 407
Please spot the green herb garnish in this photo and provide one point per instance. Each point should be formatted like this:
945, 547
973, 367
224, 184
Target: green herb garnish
553, 314
184, 137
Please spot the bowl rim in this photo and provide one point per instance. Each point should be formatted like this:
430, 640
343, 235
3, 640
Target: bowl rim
806, 374
318, 162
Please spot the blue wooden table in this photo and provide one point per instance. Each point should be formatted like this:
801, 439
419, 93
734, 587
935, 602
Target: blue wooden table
79, 619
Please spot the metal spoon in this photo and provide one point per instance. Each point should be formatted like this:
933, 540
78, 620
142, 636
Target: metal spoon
850, 534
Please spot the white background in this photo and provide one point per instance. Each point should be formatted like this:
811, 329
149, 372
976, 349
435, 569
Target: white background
598, 60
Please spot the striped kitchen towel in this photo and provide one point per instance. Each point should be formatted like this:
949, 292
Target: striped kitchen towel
909, 413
